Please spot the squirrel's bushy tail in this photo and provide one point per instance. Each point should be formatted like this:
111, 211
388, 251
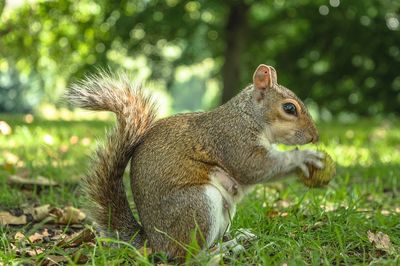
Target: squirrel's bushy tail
104, 183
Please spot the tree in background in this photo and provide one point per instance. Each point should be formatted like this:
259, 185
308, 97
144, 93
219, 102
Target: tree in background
342, 54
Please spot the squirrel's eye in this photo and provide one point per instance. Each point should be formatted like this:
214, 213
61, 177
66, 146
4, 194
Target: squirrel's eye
289, 108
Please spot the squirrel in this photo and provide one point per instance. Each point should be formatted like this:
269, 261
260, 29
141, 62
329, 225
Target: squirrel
189, 171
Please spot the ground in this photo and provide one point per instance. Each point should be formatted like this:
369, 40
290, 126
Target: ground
354, 220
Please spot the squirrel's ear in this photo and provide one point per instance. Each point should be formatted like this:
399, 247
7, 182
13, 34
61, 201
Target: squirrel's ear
264, 77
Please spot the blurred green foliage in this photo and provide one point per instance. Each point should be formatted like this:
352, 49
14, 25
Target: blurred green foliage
342, 55
2, 4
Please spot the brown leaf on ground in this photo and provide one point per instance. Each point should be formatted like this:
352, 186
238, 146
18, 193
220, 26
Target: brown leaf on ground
73, 215
7, 218
68, 215
381, 241
77, 238
13, 247
38, 213
37, 237
19, 236
56, 212
57, 235
30, 252
24, 182
41, 212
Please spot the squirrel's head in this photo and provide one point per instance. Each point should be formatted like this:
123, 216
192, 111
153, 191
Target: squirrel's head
288, 119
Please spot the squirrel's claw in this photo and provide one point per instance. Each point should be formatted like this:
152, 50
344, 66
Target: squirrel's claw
304, 169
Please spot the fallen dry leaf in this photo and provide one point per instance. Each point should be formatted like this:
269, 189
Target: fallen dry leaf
41, 212
56, 212
19, 236
381, 241
13, 247
38, 213
68, 215
58, 235
73, 215
77, 238
34, 252
30, 182
7, 218
37, 237
30, 252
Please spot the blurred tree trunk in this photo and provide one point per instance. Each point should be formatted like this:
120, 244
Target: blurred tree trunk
235, 38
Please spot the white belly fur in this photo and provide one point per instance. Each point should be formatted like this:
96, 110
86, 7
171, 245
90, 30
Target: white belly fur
223, 193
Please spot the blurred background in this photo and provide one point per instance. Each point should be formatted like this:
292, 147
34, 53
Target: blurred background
342, 57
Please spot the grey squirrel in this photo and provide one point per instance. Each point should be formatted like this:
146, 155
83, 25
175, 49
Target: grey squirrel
190, 170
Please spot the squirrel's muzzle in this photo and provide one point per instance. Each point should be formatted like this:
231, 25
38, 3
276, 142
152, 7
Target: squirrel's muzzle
315, 138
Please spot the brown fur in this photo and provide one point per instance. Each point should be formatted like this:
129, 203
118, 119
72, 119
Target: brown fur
172, 159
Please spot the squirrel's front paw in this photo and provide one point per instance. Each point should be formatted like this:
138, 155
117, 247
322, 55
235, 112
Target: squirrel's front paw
308, 157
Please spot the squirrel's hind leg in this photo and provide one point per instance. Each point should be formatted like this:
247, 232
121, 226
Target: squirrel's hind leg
190, 214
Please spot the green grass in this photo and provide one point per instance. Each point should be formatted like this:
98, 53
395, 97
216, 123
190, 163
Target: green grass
295, 225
